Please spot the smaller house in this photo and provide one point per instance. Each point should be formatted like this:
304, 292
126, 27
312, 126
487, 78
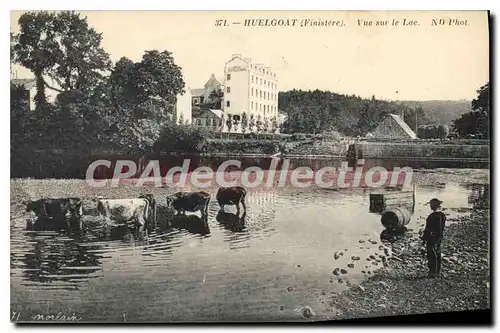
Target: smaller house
209, 118
393, 127
27, 90
202, 96
197, 96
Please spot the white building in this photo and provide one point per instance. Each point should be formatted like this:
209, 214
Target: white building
183, 108
250, 88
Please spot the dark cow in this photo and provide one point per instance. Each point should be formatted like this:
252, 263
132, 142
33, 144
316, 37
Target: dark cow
189, 202
232, 196
57, 209
140, 211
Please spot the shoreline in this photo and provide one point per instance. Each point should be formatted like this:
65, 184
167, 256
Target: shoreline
402, 287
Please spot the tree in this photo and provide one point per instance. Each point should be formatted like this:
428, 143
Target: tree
216, 97
274, 124
156, 80
466, 124
80, 60
259, 124
476, 122
251, 123
244, 122
482, 102
35, 48
266, 125
229, 123
63, 47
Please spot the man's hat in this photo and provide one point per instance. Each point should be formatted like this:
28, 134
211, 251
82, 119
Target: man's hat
435, 201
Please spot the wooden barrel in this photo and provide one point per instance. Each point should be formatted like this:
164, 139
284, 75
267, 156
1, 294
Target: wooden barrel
396, 218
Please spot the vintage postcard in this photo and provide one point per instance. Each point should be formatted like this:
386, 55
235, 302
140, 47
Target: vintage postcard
249, 166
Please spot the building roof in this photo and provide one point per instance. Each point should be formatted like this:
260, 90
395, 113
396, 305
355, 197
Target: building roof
218, 113
209, 113
212, 81
198, 92
404, 125
27, 83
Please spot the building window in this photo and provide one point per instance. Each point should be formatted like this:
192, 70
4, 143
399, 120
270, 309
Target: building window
228, 104
251, 106
252, 78
264, 82
252, 91
260, 81
228, 77
260, 94
228, 89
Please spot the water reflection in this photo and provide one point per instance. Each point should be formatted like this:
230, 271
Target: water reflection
479, 195
248, 260
57, 258
192, 223
49, 224
232, 221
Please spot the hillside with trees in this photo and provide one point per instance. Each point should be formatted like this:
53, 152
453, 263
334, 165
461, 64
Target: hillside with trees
444, 112
322, 111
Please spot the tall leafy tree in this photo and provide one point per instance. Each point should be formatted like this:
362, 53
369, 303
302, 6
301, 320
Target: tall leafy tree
244, 122
35, 48
476, 122
81, 62
63, 47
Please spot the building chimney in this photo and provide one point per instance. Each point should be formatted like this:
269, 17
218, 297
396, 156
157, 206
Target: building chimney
212, 76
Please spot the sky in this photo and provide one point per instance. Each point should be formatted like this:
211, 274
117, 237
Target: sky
424, 62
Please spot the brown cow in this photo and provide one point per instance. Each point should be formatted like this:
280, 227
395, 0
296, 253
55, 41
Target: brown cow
232, 196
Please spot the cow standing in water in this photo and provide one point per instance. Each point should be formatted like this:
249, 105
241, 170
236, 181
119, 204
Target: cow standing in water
141, 211
232, 196
58, 210
189, 202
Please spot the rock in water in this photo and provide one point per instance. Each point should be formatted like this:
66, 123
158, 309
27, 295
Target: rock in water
343, 271
355, 258
350, 265
336, 255
336, 271
361, 241
307, 312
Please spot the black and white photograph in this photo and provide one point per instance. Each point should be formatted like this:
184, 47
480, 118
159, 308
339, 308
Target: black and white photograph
249, 166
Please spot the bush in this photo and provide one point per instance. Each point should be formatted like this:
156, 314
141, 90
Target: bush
182, 138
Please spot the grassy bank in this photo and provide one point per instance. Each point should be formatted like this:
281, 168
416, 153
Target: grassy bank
402, 287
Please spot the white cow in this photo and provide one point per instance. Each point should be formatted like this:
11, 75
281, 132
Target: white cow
140, 211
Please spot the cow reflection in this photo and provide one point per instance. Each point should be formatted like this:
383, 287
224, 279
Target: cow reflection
192, 223
49, 224
231, 221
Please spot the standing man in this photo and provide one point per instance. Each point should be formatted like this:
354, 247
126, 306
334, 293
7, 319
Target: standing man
433, 234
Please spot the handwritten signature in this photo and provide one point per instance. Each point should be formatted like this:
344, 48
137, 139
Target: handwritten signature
59, 316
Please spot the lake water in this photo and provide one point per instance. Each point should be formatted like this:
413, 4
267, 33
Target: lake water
263, 268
